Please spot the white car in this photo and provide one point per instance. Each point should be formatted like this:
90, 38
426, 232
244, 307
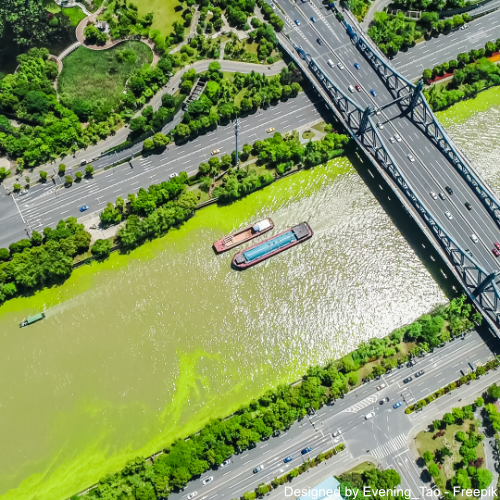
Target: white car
397, 137
380, 125
340, 65
370, 415
173, 174
411, 158
474, 238
464, 27
207, 480
448, 214
224, 464
434, 195
338, 432
351, 89
23, 192
192, 495
392, 140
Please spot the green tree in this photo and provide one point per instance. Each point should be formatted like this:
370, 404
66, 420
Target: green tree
68, 180
43, 176
494, 391
434, 470
482, 478
101, 249
89, 170
62, 169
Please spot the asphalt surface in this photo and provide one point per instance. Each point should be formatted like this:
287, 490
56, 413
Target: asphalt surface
425, 55
383, 438
430, 172
45, 204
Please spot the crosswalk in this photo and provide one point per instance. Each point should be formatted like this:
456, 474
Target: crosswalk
391, 446
362, 404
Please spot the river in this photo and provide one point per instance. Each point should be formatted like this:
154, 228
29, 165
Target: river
146, 347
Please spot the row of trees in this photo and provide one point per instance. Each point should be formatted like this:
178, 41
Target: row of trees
461, 61
466, 83
394, 32
268, 415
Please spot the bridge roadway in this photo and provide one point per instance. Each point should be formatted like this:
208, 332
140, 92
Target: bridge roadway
430, 171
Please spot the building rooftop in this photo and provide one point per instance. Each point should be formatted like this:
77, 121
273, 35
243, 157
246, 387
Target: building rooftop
329, 488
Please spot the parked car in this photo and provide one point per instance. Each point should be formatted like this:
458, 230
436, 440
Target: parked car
313, 19
224, 464
192, 495
407, 379
288, 459
419, 373
337, 433
383, 401
448, 214
85, 207
258, 468
297, 22
373, 93
207, 480
434, 195
356, 65
449, 190
397, 405
306, 450
468, 206
370, 415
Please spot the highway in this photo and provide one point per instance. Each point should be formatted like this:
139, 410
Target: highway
425, 55
45, 204
425, 168
382, 438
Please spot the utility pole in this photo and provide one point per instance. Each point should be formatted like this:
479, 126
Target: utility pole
237, 128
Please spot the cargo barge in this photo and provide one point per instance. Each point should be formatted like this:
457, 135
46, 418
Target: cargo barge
32, 319
243, 235
272, 246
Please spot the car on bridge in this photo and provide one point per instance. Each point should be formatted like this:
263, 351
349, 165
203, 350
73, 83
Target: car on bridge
380, 125
383, 401
288, 459
449, 190
373, 93
306, 450
258, 468
468, 206
411, 158
448, 214
442, 196
313, 19
297, 22
497, 245
356, 65
496, 253
433, 195
474, 238
397, 405
85, 207
319, 41
397, 137
351, 89
340, 65
358, 87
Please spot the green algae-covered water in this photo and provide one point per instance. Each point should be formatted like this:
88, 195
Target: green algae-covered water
144, 348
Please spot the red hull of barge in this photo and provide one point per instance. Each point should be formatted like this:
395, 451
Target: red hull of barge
222, 245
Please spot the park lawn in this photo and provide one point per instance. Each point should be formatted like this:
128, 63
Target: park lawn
164, 14
320, 127
359, 469
308, 134
52, 7
95, 75
75, 14
424, 442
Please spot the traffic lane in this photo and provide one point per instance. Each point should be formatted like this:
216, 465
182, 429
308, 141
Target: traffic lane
121, 180
410, 475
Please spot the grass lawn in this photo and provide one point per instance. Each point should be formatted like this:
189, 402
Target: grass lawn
75, 14
53, 8
97, 74
320, 127
424, 442
359, 469
164, 13
308, 134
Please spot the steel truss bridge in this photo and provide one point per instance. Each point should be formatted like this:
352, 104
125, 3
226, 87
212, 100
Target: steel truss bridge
478, 284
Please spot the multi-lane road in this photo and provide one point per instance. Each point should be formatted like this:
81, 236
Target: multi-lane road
383, 438
425, 55
46, 204
428, 172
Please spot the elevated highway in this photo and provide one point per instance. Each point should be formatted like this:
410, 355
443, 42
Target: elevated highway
391, 121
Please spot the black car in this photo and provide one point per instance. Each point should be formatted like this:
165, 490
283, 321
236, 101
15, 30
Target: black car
468, 206
407, 379
420, 373
320, 41
382, 401
449, 190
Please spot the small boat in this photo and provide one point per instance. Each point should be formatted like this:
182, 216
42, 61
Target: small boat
272, 246
243, 235
32, 319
